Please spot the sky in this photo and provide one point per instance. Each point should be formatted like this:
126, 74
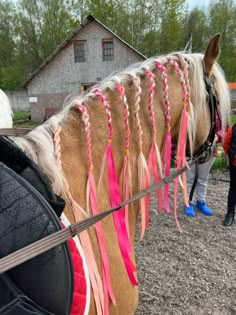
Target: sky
200, 3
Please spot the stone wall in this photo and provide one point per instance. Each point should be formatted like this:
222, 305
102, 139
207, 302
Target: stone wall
19, 100
41, 102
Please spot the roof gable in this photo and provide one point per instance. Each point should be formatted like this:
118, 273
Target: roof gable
69, 38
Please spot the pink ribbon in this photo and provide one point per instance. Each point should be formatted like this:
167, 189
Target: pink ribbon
180, 162
105, 261
125, 182
167, 159
152, 166
123, 239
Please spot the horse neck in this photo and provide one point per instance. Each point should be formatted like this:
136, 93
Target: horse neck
74, 146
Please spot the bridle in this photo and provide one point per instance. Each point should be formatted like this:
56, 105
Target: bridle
203, 152
212, 104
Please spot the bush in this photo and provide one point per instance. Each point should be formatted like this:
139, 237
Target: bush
22, 115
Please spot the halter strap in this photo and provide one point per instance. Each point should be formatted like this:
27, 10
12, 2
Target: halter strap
212, 102
14, 132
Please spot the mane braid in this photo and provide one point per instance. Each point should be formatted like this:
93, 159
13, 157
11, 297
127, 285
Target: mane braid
35, 142
92, 196
181, 148
75, 207
166, 154
154, 159
143, 172
125, 179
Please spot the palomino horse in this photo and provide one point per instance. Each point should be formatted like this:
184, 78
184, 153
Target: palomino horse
106, 145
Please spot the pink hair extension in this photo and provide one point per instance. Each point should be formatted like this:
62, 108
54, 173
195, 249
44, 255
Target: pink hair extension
126, 185
167, 146
73, 204
151, 100
95, 278
185, 67
154, 158
108, 292
106, 104
164, 77
181, 148
184, 64
181, 78
115, 198
143, 172
121, 90
126, 174
137, 98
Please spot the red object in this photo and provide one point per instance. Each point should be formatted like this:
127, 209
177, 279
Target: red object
80, 286
79, 298
227, 141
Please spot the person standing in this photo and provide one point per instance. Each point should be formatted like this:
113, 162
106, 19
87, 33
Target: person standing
203, 174
202, 183
229, 145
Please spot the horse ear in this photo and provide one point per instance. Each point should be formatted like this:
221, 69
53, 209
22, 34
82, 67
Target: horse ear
212, 52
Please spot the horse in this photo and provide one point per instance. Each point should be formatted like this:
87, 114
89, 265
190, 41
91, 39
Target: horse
108, 143
6, 120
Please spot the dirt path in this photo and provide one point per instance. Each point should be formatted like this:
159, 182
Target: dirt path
193, 273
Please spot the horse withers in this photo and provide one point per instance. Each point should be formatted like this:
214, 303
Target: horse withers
106, 145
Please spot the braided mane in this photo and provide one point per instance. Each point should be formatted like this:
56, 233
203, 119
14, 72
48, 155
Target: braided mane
40, 140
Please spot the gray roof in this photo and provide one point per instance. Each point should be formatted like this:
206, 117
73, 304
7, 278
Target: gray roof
68, 39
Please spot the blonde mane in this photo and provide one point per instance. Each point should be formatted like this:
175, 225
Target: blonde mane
39, 143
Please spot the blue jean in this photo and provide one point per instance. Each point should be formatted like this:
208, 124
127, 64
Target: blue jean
202, 183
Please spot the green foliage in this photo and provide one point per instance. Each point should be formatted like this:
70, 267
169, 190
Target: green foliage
30, 30
233, 119
21, 119
22, 115
220, 162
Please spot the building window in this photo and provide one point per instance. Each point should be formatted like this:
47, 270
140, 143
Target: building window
79, 51
108, 50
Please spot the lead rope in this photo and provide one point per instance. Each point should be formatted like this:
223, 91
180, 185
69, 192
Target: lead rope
30, 251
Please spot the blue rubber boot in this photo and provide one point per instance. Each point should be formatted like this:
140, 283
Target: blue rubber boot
189, 211
202, 206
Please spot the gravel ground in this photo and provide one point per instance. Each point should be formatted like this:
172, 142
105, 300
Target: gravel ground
193, 273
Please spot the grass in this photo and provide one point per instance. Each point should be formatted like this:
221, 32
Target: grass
22, 115
233, 119
21, 119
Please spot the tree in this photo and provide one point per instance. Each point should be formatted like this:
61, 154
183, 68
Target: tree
222, 19
196, 24
173, 13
